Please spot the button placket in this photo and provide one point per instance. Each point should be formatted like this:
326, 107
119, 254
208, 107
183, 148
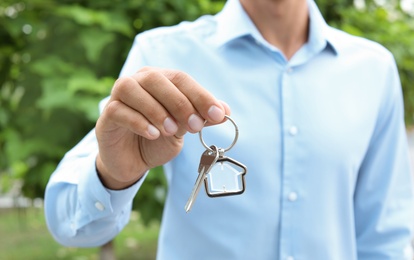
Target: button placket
290, 132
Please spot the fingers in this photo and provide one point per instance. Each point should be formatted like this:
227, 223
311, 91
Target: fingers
163, 102
227, 112
203, 102
126, 117
169, 96
143, 107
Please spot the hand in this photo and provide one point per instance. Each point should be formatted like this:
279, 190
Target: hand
144, 122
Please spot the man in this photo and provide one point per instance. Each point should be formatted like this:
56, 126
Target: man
321, 127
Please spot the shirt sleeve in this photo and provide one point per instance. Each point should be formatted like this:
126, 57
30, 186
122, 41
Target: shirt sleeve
383, 197
79, 210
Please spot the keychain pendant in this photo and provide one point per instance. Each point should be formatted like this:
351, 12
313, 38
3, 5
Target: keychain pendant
222, 176
225, 178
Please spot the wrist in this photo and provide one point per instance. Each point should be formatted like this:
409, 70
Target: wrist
114, 183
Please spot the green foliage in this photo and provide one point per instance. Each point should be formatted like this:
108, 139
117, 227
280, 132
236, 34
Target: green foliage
151, 196
59, 58
331, 8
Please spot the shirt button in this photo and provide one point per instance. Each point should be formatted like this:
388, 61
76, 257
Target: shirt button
289, 70
293, 196
290, 258
293, 130
99, 206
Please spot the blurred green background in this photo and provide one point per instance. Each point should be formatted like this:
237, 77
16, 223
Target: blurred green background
58, 59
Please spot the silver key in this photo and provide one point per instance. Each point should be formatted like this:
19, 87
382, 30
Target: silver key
208, 159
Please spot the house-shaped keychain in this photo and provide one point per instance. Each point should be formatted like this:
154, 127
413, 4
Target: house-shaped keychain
225, 178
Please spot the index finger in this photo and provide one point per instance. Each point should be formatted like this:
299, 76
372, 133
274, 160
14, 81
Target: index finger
203, 101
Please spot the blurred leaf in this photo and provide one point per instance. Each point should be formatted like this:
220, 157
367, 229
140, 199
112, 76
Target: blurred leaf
85, 81
94, 41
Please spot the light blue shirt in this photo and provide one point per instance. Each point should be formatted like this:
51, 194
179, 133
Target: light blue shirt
322, 136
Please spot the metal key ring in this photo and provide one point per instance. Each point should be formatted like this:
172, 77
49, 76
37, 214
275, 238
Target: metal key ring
232, 144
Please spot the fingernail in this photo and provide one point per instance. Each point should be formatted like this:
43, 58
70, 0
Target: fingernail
170, 126
153, 131
216, 114
195, 123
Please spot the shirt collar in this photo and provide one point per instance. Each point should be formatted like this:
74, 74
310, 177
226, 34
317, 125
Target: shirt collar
233, 23
320, 33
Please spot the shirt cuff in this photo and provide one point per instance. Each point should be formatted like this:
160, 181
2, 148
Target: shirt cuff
99, 201
121, 197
